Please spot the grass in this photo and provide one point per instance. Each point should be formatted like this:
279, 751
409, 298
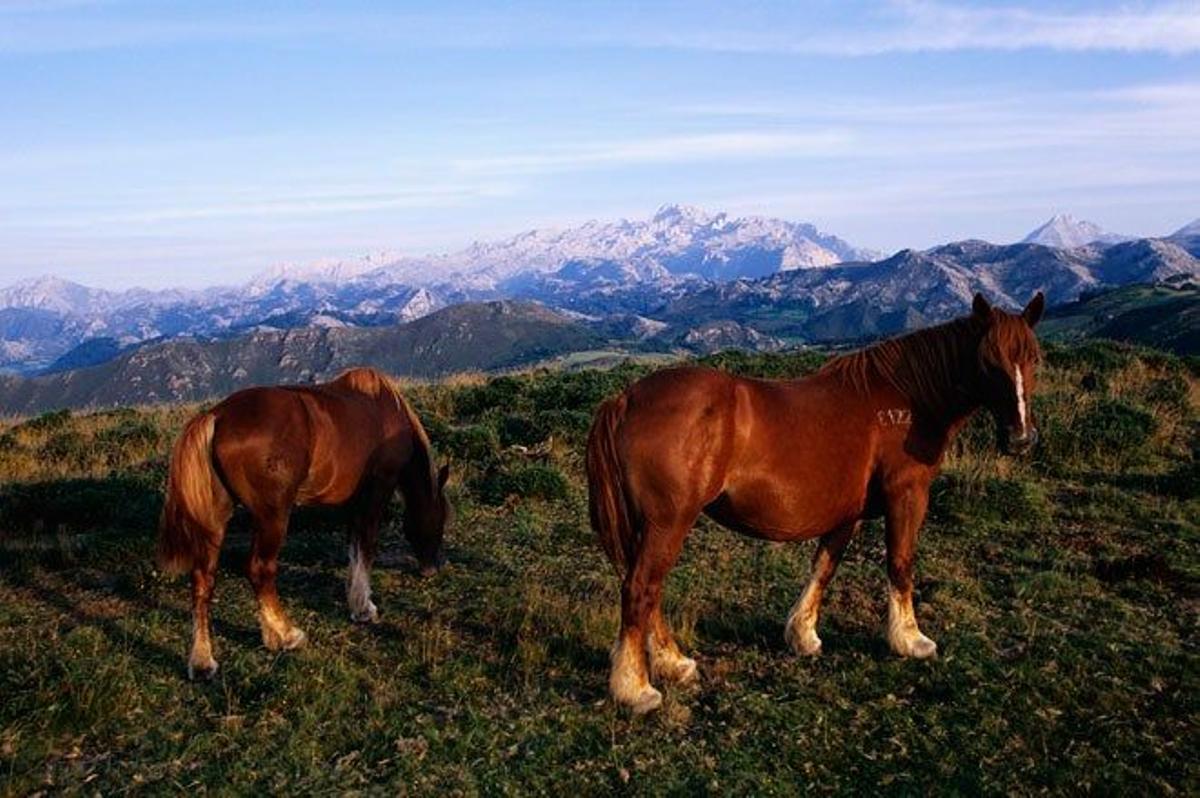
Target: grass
1063, 593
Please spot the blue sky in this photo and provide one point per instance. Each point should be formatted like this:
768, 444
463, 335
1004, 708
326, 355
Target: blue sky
191, 144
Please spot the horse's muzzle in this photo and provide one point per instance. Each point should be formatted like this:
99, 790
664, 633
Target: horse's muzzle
1023, 444
438, 563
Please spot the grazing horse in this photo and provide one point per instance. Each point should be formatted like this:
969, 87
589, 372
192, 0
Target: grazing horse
349, 442
793, 460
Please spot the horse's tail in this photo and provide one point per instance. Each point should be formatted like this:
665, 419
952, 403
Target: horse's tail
608, 506
193, 510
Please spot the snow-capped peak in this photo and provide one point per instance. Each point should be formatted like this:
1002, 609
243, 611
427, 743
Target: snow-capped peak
1190, 229
1064, 231
674, 214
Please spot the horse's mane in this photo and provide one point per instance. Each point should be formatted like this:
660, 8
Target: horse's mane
925, 366
375, 383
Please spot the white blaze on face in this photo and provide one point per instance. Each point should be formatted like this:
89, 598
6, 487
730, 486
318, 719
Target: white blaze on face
1019, 383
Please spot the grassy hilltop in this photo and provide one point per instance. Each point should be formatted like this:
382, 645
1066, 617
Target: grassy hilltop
1063, 592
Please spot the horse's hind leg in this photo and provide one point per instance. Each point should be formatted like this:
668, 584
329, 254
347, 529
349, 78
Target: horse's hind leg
366, 518
800, 632
270, 528
201, 664
641, 595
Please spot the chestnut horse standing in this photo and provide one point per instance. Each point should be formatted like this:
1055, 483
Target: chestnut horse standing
794, 460
349, 442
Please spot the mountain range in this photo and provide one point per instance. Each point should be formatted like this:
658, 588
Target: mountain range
683, 279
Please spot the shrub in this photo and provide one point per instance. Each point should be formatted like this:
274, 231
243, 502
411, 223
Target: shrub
519, 430
570, 424
48, 422
580, 390
130, 434
500, 392
473, 442
127, 442
67, 447
1170, 391
1102, 357
785, 365
1114, 429
533, 481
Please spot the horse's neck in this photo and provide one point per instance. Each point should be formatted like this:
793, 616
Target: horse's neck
416, 477
951, 395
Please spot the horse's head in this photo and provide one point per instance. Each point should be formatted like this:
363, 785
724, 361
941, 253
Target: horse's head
425, 525
1008, 360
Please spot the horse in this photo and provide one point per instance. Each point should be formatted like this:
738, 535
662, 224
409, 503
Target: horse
350, 442
794, 460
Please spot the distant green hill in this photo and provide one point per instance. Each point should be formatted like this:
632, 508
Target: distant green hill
486, 336
1162, 316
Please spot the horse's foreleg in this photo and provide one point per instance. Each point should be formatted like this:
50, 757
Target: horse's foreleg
905, 514
800, 632
364, 542
278, 633
641, 595
666, 660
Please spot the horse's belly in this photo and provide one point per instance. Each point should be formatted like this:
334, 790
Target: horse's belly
792, 493
779, 513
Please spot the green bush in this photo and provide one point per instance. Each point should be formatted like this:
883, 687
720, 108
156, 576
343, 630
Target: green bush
570, 424
472, 443
785, 365
67, 447
581, 390
1102, 357
519, 430
533, 481
499, 392
1114, 428
47, 422
130, 433
1170, 390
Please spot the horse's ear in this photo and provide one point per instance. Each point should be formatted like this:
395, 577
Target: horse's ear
443, 475
1033, 311
980, 307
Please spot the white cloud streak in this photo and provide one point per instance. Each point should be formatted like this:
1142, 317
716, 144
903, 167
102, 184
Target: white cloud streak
745, 145
901, 26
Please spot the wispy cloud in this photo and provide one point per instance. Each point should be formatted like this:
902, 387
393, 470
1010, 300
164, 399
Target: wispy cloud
319, 203
900, 26
914, 26
745, 145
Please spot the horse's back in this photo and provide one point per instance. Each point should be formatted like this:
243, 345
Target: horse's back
297, 444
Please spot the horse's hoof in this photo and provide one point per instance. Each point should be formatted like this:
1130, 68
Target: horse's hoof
923, 648
294, 639
646, 701
805, 644
679, 669
202, 671
369, 615
687, 671
916, 647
